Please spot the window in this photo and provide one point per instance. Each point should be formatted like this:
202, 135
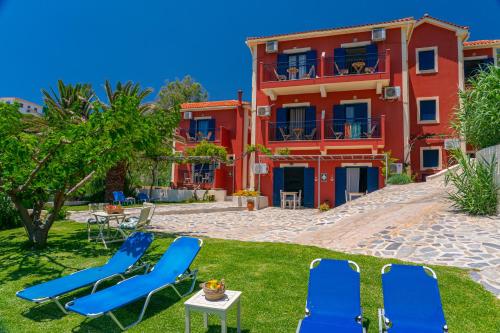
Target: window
473, 65
427, 60
497, 58
21, 104
428, 110
298, 61
202, 129
430, 158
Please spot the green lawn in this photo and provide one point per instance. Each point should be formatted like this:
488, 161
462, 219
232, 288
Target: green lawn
80, 208
273, 278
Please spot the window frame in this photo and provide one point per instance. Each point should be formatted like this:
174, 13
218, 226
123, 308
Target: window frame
417, 63
440, 157
430, 98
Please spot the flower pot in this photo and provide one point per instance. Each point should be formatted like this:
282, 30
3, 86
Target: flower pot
250, 204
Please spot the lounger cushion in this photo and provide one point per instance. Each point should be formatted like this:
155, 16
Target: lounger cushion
330, 325
411, 300
128, 254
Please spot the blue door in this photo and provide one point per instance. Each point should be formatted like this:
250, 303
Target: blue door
278, 177
309, 187
372, 180
340, 185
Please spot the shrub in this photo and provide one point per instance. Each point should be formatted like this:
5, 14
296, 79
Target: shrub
247, 193
399, 179
324, 207
476, 191
9, 217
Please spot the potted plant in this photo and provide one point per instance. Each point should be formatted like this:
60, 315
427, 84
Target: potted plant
214, 289
250, 204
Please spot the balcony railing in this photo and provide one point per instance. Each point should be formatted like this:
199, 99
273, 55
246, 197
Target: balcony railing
212, 135
324, 67
294, 131
353, 129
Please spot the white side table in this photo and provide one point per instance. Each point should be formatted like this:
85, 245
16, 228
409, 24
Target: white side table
220, 308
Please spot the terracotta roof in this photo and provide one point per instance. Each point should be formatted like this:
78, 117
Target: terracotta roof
484, 42
445, 22
406, 19
212, 104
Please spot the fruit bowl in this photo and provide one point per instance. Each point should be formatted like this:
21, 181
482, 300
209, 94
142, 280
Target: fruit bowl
112, 209
214, 289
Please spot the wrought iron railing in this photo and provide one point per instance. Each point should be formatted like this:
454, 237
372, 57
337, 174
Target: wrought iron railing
358, 128
368, 63
196, 135
285, 71
294, 131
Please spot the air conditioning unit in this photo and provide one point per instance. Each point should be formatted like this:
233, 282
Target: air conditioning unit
272, 46
263, 111
450, 144
378, 34
260, 169
392, 92
188, 115
396, 168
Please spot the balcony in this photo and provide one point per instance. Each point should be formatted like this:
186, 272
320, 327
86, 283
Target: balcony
327, 134
219, 135
326, 74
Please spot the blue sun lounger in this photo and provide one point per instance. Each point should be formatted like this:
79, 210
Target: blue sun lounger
333, 298
411, 301
124, 261
172, 268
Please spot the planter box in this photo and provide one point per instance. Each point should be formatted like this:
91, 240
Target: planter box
260, 201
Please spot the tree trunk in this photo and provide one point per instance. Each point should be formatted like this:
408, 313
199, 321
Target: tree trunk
115, 180
154, 177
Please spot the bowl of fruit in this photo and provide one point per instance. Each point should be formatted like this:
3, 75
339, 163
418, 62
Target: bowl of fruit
214, 289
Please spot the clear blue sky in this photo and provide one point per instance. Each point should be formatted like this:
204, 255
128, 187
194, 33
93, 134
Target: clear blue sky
152, 41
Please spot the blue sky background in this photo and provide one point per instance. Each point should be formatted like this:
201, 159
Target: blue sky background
152, 41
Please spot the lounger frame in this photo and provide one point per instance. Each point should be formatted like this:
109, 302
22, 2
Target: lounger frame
359, 318
185, 276
383, 321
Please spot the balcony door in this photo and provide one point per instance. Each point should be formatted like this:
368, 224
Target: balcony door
362, 57
351, 120
296, 123
202, 129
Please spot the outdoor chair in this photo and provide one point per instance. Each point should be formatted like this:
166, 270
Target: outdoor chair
411, 301
142, 197
209, 136
136, 223
310, 74
285, 136
190, 138
370, 133
93, 221
124, 261
311, 135
341, 71
279, 77
372, 69
333, 298
172, 268
120, 199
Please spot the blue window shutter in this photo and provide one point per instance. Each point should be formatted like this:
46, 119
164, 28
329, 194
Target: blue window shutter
308, 187
339, 58
211, 128
281, 122
338, 118
371, 55
278, 177
426, 60
311, 58
361, 116
192, 128
282, 65
428, 110
372, 181
431, 158
310, 119
340, 185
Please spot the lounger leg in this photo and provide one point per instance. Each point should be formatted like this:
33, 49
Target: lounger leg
381, 323
298, 326
56, 300
192, 275
107, 278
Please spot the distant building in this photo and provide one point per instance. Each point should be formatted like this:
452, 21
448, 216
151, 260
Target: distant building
25, 107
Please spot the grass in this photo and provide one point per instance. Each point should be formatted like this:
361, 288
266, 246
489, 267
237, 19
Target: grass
81, 208
272, 276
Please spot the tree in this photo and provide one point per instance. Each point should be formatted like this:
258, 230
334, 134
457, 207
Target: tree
181, 91
82, 139
478, 117
115, 177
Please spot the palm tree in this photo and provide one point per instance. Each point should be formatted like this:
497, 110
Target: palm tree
115, 177
69, 102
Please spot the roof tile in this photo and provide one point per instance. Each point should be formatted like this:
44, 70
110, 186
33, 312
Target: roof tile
211, 104
484, 42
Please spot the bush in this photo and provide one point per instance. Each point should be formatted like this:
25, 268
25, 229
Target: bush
476, 191
9, 217
399, 179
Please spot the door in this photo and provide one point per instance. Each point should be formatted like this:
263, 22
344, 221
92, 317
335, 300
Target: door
372, 179
308, 191
278, 176
340, 185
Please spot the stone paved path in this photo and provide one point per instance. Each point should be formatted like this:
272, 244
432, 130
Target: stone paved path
413, 222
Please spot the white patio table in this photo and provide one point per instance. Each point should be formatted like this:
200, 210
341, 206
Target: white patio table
220, 308
105, 217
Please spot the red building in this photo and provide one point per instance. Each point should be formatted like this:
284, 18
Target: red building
330, 104
225, 123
